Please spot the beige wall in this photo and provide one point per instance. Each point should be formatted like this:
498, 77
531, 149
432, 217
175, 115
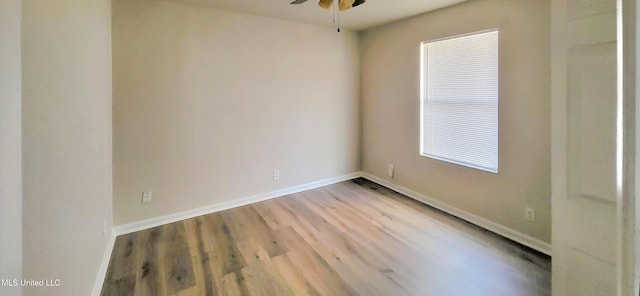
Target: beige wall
391, 112
66, 141
208, 103
10, 145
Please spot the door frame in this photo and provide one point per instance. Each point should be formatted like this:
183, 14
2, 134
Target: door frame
628, 127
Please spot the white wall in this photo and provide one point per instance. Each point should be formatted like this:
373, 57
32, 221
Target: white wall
66, 141
10, 145
391, 112
208, 103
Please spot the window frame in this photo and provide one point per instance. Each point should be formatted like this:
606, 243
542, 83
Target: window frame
423, 100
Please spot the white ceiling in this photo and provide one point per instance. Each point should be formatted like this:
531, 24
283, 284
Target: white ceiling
367, 15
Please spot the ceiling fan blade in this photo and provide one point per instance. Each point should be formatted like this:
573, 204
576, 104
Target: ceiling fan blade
345, 4
358, 2
298, 1
326, 4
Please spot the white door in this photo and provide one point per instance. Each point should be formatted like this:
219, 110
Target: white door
584, 106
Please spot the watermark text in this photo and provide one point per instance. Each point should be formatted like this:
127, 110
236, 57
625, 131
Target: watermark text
30, 283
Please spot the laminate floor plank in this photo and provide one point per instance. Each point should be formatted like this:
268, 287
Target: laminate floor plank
349, 238
294, 277
223, 256
316, 271
179, 273
121, 275
148, 267
251, 230
203, 276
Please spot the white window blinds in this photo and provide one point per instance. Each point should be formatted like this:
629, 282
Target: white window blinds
459, 95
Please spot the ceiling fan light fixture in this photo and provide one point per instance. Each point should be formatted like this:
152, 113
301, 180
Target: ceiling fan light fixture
358, 2
341, 6
326, 4
345, 4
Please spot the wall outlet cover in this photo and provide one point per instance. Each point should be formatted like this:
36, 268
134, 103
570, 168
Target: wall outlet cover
530, 214
146, 197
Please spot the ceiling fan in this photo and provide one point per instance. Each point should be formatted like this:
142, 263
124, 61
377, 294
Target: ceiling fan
342, 4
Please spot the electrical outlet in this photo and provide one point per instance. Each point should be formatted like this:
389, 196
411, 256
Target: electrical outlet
530, 214
276, 175
146, 197
390, 171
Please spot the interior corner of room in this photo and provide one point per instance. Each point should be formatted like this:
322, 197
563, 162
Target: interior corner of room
118, 116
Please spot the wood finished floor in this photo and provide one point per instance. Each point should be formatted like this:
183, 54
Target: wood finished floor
350, 238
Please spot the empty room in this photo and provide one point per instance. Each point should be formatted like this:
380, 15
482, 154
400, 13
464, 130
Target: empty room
320, 147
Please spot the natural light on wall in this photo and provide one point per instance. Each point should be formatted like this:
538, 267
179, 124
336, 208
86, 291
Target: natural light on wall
459, 100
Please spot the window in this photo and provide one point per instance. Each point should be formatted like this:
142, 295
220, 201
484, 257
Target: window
459, 100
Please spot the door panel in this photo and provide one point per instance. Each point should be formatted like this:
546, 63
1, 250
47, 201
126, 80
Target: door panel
592, 117
584, 67
581, 267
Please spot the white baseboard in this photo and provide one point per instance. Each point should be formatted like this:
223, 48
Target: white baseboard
153, 222
104, 265
499, 229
